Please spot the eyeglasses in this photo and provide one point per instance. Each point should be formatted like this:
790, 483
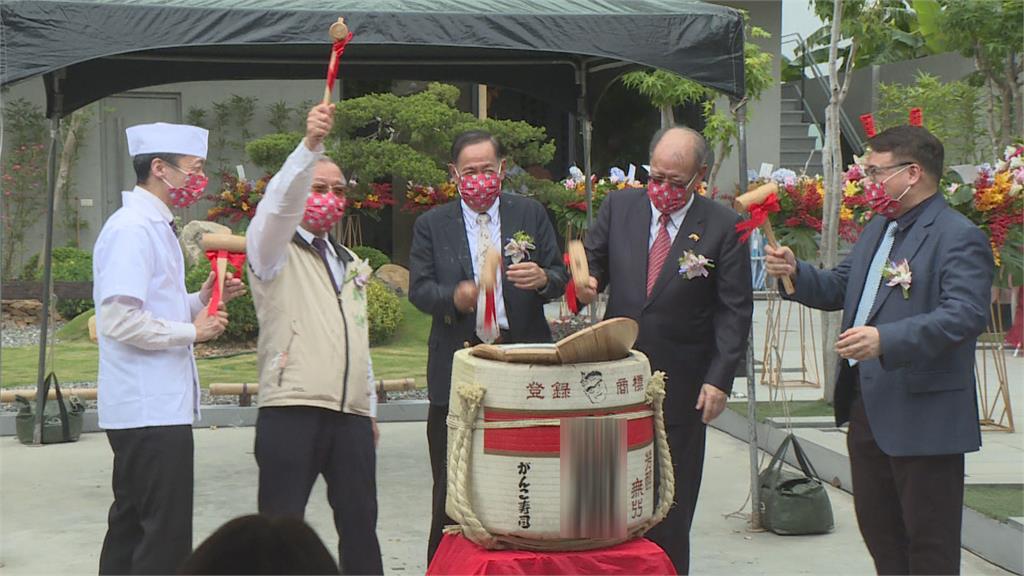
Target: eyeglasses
876, 171
337, 189
660, 180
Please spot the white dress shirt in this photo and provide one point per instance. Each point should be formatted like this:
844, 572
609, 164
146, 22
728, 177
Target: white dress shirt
278, 218
147, 373
675, 221
472, 232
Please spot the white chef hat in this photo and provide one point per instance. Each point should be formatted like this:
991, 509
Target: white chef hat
162, 137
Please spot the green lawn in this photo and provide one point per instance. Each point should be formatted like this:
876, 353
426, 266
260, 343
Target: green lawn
75, 358
999, 501
797, 408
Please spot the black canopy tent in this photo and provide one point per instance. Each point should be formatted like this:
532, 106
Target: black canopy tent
565, 52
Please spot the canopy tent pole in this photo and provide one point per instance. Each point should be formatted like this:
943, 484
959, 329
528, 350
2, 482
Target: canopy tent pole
740, 108
586, 125
51, 186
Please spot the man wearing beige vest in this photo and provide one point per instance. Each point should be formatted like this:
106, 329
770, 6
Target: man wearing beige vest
317, 401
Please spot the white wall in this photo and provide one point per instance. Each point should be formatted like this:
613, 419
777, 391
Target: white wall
763, 116
87, 178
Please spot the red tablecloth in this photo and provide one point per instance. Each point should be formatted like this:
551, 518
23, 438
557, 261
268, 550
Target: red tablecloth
457, 555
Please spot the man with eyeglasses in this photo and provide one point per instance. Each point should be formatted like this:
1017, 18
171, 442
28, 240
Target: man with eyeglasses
448, 248
147, 325
914, 293
672, 261
317, 399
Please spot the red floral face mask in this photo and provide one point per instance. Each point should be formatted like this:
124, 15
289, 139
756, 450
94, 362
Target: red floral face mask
186, 194
668, 197
880, 201
479, 191
323, 211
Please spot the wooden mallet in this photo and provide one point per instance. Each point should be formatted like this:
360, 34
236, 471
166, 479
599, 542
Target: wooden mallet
487, 285
339, 34
752, 202
222, 249
578, 265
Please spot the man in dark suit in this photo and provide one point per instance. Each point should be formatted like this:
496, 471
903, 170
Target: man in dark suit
906, 375
674, 264
448, 246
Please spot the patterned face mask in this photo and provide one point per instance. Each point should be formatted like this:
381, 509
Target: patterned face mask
479, 191
880, 201
323, 211
188, 193
668, 197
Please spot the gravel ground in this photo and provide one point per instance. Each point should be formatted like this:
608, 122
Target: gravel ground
21, 337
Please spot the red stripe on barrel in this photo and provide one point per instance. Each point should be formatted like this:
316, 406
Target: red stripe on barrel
545, 440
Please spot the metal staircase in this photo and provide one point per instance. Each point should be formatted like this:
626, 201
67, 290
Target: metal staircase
799, 140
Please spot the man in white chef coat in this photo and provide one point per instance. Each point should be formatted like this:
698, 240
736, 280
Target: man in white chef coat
147, 324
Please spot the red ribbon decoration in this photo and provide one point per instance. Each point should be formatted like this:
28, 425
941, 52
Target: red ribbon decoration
570, 289
868, 122
490, 311
337, 49
236, 259
915, 117
758, 215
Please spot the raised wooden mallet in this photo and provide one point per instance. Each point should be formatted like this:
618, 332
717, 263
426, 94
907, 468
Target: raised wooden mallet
222, 249
756, 197
338, 32
578, 265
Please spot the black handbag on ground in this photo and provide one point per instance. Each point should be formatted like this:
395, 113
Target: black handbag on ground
62, 422
793, 503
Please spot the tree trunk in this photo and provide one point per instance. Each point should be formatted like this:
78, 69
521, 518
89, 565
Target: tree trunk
719, 158
832, 160
668, 117
993, 136
1006, 118
67, 160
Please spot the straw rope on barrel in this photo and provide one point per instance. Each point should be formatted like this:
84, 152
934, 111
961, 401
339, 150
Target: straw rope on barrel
462, 426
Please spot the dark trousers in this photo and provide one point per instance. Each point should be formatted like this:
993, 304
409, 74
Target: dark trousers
437, 445
909, 508
149, 527
294, 445
686, 443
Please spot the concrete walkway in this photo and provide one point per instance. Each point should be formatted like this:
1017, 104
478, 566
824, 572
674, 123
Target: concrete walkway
54, 501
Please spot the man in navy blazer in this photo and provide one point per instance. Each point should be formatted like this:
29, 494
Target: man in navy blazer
444, 269
905, 381
694, 317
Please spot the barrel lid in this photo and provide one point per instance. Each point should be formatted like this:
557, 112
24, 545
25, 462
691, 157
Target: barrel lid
603, 342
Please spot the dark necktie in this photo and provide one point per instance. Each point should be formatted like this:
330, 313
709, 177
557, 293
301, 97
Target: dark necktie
174, 228
658, 253
321, 246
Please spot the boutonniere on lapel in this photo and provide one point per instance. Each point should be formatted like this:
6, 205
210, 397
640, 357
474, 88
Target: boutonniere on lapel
898, 275
694, 265
359, 273
519, 246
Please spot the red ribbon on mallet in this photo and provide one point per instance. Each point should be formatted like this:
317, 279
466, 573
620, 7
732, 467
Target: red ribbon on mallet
758, 216
236, 259
916, 119
337, 49
868, 122
570, 289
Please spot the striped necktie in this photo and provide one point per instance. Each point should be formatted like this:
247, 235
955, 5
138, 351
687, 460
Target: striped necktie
658, 253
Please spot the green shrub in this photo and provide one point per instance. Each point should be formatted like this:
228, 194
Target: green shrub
383, 310
242, 323
375, 258
69, 265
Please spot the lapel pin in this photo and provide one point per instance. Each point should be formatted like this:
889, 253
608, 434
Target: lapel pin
695, 237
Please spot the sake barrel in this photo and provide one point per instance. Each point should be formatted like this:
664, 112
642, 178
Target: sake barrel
512, 478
